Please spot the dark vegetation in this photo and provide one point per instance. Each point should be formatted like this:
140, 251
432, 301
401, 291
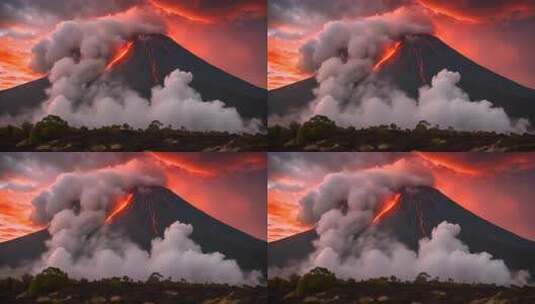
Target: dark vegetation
54, 134
321, 286
322, 134
54, 286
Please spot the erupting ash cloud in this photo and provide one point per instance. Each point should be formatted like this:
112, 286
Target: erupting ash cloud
342, 208
345, 55
76, 56
75, 208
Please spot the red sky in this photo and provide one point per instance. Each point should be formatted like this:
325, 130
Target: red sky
495, 33
495, 186
213, 182
230, 35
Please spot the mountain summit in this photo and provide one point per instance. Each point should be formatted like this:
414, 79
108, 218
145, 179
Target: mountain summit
418, 211
150, 211
417, 59
145, 63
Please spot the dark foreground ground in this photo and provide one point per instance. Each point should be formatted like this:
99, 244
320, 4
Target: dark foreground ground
129, 292
321, 134
54, 134
321, 288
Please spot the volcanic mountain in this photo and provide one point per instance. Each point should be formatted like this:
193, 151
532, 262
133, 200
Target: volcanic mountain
418, 211
146, 62
149, 213
416, 60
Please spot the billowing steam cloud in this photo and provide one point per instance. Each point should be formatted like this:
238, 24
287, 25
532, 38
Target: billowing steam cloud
342, 209
176, 104
442, 256
90, 40
76, 56
344, 56
76, 206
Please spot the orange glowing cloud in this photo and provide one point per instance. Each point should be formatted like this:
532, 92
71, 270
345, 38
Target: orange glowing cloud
282, 218
209, 13
219, 164
495, 186
14, 68
14, 215
228, 186
282, 64
475, 11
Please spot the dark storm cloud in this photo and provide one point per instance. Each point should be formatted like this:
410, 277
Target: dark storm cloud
29, 11
299, 12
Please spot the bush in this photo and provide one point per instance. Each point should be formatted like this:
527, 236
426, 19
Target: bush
317, 128
51, 127
317, 280
51, 279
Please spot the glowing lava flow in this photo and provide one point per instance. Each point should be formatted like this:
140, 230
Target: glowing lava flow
121, 204
119, 55
389, 204
386, 56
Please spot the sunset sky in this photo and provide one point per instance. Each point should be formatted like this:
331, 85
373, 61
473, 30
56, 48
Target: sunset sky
212, 182
495, 33
228, 34
497, 187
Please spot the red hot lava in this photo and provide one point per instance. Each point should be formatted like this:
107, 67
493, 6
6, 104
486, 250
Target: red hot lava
119, 55
388, 205
121, 204
388, 53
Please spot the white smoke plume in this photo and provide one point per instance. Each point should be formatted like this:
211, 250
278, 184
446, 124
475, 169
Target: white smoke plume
343, 206
176, 104
75, 208
76, 56
442, 256
91, 39
344, 55
175, 256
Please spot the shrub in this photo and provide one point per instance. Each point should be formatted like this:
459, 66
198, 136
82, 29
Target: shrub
51, 279
317, 280
51, 127
317, 128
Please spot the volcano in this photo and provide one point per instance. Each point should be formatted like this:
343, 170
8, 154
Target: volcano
145, 64
416, 60
149, 213
418, 211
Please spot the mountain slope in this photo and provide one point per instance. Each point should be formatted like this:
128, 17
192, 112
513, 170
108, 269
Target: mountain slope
145, 218
145, 65
416, 61
413, 218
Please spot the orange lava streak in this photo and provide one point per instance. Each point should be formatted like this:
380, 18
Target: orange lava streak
121, 204
119, 55
386, 56
389, 204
